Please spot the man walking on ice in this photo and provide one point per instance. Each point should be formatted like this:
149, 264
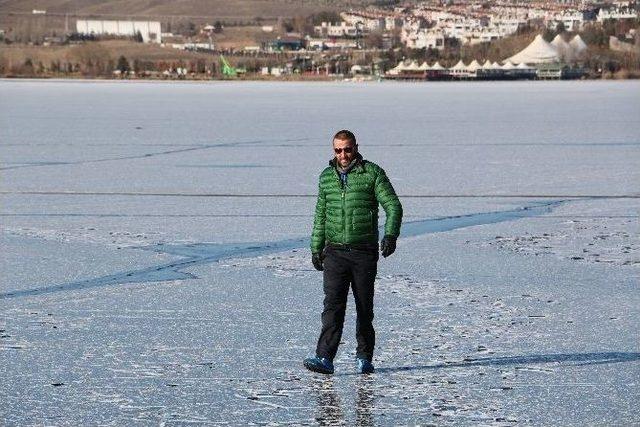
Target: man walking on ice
344, 245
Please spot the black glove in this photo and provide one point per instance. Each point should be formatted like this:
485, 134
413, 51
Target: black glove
316, 259
388, 245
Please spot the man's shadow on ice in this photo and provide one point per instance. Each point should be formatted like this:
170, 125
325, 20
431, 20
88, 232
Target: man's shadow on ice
567, 359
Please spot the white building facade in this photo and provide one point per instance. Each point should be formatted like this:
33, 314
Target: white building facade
149, 30
342, 29
617, 13
572, 20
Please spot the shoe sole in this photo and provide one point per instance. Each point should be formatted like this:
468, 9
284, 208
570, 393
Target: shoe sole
317, 369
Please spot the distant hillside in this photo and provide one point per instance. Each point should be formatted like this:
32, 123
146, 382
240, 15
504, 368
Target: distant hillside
234, 9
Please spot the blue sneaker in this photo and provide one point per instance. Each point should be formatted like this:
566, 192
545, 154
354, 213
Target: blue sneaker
364, 366
319, 364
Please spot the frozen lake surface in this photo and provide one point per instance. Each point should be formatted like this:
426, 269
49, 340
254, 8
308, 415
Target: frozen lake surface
155, 262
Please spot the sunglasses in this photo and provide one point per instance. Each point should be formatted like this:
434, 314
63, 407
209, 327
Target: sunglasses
347, 150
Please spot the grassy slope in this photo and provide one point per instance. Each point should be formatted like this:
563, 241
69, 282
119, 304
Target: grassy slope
111, 49
247, 9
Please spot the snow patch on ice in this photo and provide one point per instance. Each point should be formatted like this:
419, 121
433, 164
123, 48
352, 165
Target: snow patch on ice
92, 235
593, 240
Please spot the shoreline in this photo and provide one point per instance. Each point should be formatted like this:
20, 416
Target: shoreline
298, 81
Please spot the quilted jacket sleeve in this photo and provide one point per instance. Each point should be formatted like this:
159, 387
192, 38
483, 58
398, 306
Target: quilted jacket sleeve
386, 196
318, 233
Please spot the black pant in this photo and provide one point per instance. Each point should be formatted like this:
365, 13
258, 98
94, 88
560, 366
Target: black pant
344, 268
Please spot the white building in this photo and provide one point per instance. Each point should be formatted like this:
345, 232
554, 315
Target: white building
391, 22
472, 28
572, 20
423, 38
340, 44
506, 25
150, 30
371, 22
624, 13
342, 29
483, 36
330, 43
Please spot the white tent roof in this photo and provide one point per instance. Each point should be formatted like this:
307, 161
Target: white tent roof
578, 45
558, 41
508, 65
523, 66
459, 66
413, 66
396, 70
577, 42
538, 52
474, 66
487, 65
424, 66
437, 66
563, 48
402, 66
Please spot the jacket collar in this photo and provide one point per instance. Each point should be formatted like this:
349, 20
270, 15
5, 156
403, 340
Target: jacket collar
358, 167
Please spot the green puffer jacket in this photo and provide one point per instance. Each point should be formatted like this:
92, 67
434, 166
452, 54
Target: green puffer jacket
349, 215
